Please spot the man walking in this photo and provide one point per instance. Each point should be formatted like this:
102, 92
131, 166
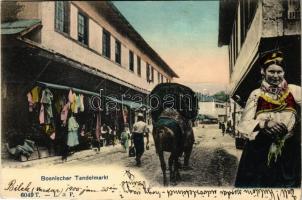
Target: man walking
139, 130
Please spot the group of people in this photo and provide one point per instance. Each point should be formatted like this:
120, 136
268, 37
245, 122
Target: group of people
225, 128
108, 134
136, 137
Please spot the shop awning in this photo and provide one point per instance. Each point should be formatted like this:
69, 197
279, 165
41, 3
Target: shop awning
131, 104
15, 27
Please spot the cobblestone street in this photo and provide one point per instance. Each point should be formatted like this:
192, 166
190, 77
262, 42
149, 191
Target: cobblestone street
214, 160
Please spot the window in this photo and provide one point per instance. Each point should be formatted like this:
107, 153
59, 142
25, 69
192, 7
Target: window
62, 16
247, 12
158, 77
117, 51
82, 28
106, 44
131, 60
152, 74
138, 65
147, 72
293, 9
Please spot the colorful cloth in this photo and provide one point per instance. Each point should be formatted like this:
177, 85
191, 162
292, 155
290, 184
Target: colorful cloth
73, 126
41, 115
64, 113
81, 103
70, 96
125, 137
73, 105
35, 92
46, 100
280, 105
30, 102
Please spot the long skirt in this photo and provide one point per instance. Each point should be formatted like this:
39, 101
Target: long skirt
72, 138
253, 170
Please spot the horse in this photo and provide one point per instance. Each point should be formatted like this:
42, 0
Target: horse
173, 133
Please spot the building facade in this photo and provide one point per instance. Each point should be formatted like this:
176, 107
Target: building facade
87, 47
208, 105
252, 27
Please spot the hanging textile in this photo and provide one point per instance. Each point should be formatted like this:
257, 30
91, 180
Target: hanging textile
64, 113
73, 105
82, 103
35, 92
46, 100
73, 127
41, 115
70, 96
60, 102
30, 102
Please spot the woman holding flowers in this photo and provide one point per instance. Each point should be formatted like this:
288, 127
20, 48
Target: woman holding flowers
271, 122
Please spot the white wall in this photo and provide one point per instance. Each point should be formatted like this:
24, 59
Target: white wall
91, 54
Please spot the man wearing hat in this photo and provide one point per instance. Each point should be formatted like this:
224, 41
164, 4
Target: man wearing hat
140, 128
270, 122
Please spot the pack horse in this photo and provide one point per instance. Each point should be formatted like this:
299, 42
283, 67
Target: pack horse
175, 107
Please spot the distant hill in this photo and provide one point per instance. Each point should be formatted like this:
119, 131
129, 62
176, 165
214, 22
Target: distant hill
206, 88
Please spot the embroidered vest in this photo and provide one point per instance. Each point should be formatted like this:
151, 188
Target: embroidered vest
267, 104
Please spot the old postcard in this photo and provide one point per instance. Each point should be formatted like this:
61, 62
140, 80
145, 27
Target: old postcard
151, 99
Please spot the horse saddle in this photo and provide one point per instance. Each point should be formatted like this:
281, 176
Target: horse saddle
172, 119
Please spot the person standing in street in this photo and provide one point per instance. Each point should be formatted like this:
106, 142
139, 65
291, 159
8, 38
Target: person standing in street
222, 128
271, 122
125, 137
140, 129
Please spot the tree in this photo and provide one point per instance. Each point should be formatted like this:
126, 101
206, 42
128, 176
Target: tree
221, 96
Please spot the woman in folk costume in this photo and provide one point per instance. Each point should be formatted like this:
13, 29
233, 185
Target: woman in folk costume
271, 122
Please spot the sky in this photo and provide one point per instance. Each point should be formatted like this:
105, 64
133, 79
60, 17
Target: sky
185, 35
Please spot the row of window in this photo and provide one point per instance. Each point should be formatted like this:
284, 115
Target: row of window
219, 106
62, 24
242, 22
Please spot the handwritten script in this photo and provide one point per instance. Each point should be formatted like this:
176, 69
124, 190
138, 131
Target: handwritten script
130, 187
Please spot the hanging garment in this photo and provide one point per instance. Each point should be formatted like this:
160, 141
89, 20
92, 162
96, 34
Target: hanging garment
77, 103
41, 115
35, 92
30, 102
73, 127
70, 96
46, 100
60, 101
47, 96
73, 105
81, 103
64, 113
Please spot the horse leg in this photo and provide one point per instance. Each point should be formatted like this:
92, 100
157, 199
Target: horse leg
188, 148
177, 166
172, 168
188, 151
163, 165
170, 163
